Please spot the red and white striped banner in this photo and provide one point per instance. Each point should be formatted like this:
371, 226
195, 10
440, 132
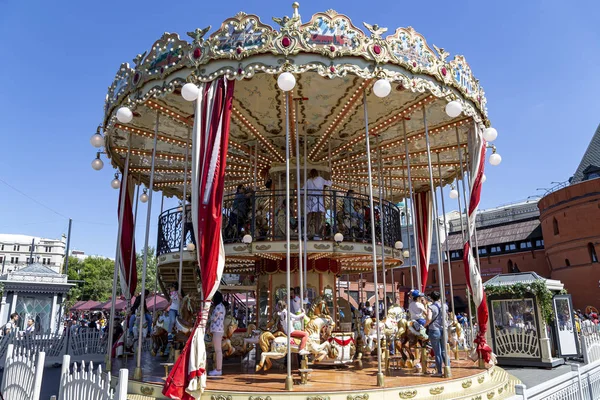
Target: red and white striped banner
127, 261
472, 272
424, 221
210, 138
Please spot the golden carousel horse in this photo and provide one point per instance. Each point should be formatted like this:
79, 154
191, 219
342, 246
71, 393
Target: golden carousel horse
319, 328
230, 325
408, 340
184, 323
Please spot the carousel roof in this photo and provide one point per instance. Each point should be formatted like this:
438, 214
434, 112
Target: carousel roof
335, 64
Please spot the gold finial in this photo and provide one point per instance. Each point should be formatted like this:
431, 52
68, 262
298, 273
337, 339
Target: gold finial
296, 6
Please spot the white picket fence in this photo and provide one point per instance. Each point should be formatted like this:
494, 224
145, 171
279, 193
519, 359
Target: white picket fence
88, 345
22, 376
582, 383
86, 384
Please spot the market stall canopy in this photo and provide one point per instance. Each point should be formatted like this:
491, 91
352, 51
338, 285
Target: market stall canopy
80, 302
523, 278
161, 303
87, 306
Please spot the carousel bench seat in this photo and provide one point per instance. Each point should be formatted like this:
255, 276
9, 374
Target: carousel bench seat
304, 373
167, 365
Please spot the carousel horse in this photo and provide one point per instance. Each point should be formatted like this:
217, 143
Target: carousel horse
408, 339
319, 329
456, 336
184, 323
160, 337
369, 334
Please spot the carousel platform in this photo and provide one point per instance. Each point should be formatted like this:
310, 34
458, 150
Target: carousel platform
240, 382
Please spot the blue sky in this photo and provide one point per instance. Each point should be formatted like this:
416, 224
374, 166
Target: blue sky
537, 60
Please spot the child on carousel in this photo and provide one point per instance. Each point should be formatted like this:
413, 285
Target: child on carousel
418, 312
283, 314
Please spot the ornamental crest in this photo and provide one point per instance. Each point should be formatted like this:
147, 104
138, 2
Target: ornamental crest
332, 34
241, 36
119, 87
166, 55
410, 49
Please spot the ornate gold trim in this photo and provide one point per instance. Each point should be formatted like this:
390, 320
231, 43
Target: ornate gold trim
262, 247
467, 384
480, 379
408, 394
259, 398
436, 390
317, 398
220, 397
491, 395
322, 246
147, 390
358, 397
240, 248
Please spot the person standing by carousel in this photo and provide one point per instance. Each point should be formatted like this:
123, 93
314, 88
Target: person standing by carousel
316, 206
217, 319
436, 326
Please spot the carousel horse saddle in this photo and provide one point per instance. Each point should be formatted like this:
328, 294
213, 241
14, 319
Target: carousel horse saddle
417, 329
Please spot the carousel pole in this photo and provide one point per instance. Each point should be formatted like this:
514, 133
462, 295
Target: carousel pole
111, 322
381, 223
447, 371
468, 231
289, 381
408, 242
128, 295
305, 195
162, 204
412, 206
446, 236
299, 209
380, 377
394, 291
255, 163
184, 216
137, 373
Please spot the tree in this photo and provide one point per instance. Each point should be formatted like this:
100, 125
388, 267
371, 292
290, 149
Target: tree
151, 283
93, 278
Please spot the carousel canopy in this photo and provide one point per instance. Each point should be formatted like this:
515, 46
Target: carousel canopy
336, 65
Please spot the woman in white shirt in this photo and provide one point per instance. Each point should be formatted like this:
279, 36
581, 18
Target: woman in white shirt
216, 328
315, 205
283, 314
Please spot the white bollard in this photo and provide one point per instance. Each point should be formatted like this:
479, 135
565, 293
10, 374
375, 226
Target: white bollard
521, 390
121, 393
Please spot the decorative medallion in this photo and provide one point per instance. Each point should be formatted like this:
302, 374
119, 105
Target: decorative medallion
147, 390
240, 36
259, 398
330, 30
478, 397
321, 246
408, 394
317, 398
500, 390
467, 384
368, 248
347, 247
358, 397
491, 395
436, 390
240, 248
220, 397
262, 247
481, 379
166, 53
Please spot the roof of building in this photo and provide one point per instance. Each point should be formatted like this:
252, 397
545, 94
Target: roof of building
591, 157
522, 277
24, 239
36, 269
498, 234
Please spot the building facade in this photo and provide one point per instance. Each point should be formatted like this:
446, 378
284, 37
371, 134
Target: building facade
18, 251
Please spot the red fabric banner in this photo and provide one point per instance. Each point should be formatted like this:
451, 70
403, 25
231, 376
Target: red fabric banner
127, 263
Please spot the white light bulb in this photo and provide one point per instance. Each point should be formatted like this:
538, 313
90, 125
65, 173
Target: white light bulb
490, 134
247, 239
144, 197
97, 140
382, 88
406, 254
453, 109
338, 237
454, 194
124, 115
191, 246
115, 183
286, 81
495, 159
398, 245
97, 164
190, 92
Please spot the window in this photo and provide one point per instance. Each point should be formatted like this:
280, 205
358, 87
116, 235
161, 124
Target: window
525, 245
495, 249
29, 248
555, 226
1, 259
16, 247
510, 266
16, 260
402, 279
539, 243
455, 255
567, 262
434, 279
482, 251
48, 249
510, 247
2, 247
592, 251
12, 260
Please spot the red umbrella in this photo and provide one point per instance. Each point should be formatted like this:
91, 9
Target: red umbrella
161, 303
87, 306
120, 305
80, 302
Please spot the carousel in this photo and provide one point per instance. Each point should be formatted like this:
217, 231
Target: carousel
297, 151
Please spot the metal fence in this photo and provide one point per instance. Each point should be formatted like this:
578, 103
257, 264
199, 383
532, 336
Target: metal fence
263, 215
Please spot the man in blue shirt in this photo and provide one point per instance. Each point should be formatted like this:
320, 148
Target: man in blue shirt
435, 322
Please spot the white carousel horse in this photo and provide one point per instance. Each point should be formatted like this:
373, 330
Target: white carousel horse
275, 347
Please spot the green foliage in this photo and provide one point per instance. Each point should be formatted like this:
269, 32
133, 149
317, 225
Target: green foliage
520, 290
93, 277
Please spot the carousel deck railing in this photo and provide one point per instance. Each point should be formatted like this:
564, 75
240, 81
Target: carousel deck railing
262, 215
